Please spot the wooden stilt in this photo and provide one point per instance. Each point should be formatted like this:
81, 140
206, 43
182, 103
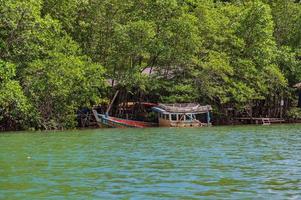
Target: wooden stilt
208, 118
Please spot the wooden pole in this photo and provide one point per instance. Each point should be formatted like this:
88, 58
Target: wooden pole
110, 106
281, 107
208, 118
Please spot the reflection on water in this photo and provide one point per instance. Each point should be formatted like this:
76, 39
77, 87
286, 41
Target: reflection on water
251, 162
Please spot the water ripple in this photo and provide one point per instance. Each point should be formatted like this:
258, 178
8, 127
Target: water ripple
212, 163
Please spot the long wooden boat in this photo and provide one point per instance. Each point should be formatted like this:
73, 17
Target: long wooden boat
114, 122
169, 115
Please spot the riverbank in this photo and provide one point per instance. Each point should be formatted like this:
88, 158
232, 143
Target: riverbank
227, 126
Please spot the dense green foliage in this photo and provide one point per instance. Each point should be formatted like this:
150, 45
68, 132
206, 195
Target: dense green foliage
225, 53
44, 75
294, 113
14, 107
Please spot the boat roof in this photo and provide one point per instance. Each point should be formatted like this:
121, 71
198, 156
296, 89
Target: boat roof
182, 108
132, 103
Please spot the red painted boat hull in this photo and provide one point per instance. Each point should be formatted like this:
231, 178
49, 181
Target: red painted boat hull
115, 122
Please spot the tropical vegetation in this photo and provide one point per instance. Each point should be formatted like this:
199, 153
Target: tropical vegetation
56, 56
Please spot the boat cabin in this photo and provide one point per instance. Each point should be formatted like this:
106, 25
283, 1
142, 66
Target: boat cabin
183, 115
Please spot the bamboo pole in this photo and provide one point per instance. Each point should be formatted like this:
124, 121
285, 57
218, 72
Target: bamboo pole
110, 106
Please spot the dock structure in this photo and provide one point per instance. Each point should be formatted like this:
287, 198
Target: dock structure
182, 115
260, 120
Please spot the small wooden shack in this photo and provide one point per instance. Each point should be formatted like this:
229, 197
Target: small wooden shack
183, 115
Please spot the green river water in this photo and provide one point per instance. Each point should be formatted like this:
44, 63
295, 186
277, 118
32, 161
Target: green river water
251, 162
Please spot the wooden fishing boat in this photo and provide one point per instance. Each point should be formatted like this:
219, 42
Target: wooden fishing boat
169, 115
114, 122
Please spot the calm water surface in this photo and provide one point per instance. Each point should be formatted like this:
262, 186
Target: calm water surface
252, 162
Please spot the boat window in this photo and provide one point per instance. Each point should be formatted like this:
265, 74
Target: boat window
167, 116
189, 117
173, 117
181, 117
